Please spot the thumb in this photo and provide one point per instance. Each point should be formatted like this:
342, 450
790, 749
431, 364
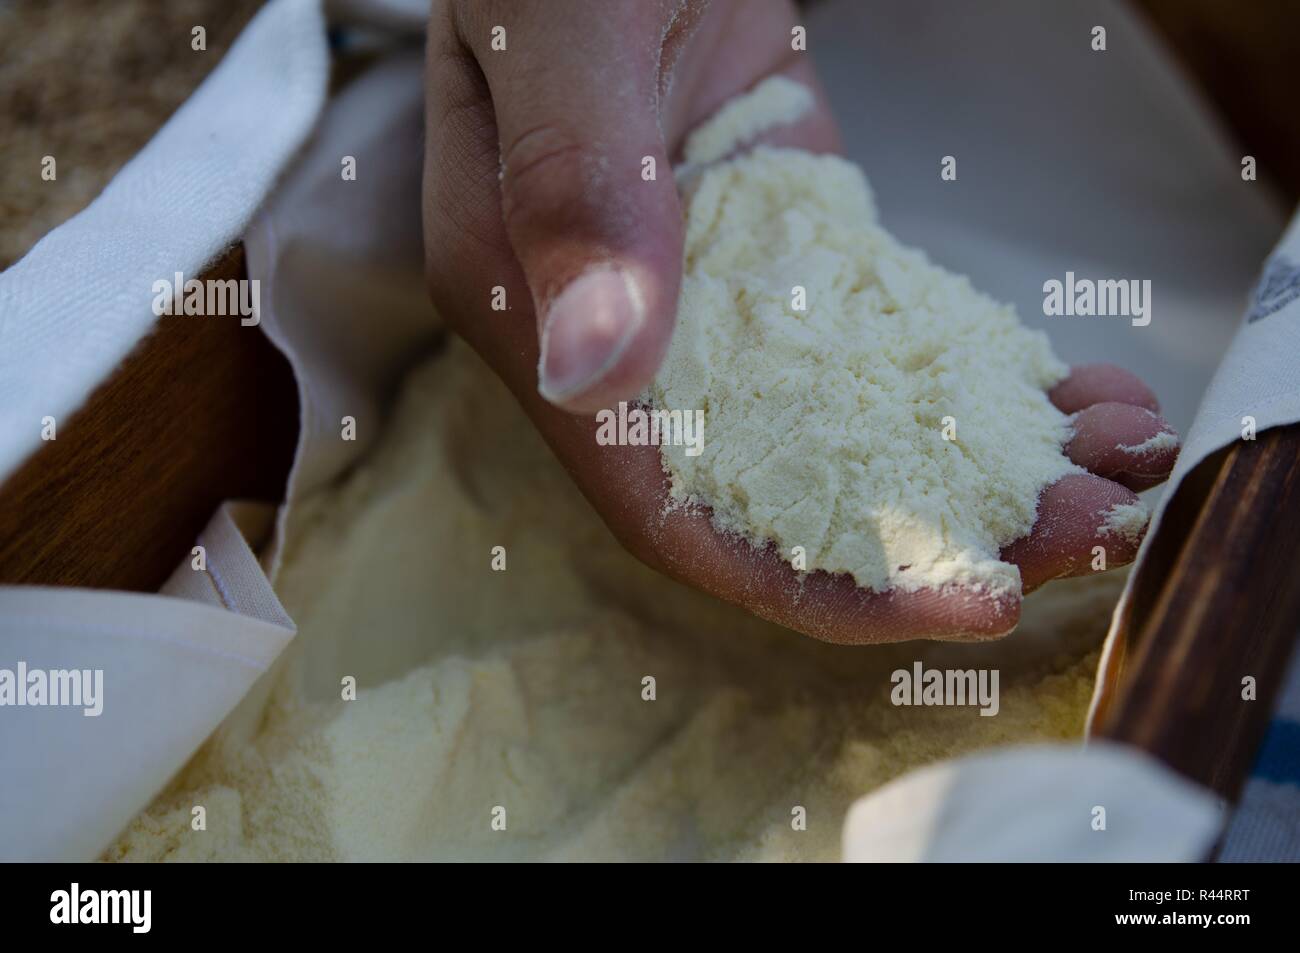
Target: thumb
589, 201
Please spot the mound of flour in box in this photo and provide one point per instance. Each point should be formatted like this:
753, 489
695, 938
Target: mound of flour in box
524, 689
859, 401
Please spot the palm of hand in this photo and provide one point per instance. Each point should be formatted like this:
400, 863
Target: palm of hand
533, 176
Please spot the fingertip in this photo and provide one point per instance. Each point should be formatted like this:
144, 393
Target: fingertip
586, 330
1130, 445
603, 338
1076, 514
1089, 384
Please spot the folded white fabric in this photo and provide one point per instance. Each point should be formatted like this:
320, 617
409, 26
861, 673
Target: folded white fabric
341, 267
1257, 385
1105, 802
80, 301
131, 686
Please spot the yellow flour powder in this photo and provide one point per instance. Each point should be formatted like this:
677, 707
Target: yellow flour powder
523, 689
859, 402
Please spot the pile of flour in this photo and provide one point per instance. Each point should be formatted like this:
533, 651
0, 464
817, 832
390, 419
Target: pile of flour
523, 689
829, 361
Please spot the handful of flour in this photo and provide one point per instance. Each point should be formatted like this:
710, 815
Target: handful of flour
860, 402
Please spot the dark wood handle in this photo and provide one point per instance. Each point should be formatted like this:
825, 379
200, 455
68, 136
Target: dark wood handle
1216, 600
203, 410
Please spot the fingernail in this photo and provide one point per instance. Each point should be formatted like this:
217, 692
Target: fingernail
588, 327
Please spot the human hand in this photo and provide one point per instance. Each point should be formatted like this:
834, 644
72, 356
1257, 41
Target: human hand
533, 184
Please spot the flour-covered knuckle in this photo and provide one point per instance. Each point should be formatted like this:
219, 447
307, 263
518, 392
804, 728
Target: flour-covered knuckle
545, 184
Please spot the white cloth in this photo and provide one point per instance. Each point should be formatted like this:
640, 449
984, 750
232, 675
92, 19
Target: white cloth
1042, 803
340, 262
1260, 375
174, 665
81, 300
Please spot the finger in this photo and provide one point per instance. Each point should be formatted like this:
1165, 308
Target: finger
1076, 514
467, 251
1090, 384
1127, 444
587, 193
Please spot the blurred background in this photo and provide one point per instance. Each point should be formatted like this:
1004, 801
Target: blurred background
90, 81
